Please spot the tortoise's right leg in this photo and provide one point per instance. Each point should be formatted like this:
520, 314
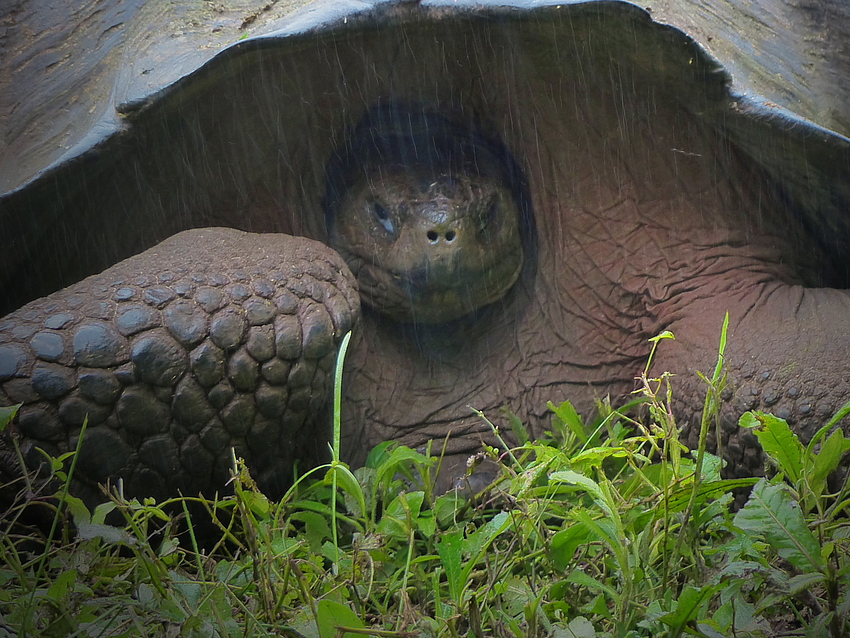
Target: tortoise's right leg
788, 353
214, 339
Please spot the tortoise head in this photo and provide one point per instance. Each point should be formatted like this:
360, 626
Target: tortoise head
428, 214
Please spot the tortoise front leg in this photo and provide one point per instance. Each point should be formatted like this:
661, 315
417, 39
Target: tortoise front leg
214, 339
788, 353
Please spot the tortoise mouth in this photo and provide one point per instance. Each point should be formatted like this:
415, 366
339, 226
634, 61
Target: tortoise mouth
425, 296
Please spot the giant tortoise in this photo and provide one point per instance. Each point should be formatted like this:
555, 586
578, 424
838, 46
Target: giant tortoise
525, 193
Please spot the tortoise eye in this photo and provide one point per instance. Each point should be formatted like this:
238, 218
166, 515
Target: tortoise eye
383, 217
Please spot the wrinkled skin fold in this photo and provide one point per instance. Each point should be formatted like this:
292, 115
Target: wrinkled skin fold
648, 217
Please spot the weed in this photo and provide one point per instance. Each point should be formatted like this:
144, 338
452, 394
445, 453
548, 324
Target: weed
609, 528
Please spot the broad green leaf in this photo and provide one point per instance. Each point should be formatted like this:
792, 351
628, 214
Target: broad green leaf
565, 543
595, 456
284, 546
715, 489
404, 507
412, 502
605, 530
585, 580
478, 541
516, 595
332, 615
450, 549
78, 509
316, 528
393, 526
58, 591
332, 552
190, 591
102, 511
426, 523
772, 512
569, 476
802, 582
711, 467
257, 503
778, 441
598, 607
404, 503
827, 460
688, 606
569, 417
447, 507
303, 624
589, 485
379, 454
398, 456
348, 482
578, 628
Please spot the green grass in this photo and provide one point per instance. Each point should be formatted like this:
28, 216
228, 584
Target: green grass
608, 528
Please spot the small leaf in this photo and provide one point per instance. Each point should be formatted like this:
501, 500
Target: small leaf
398, 456
589, 485
332, 615
568, 415
404, 507
257, 503
680, 497
517, 427
109, 534
481, 539
594, 457
565, 543
348, 482
316, 528
101, 511
778, 441
284, 546
711, 467
379, 454
772, 512
666, 334
802, 582
448, 506
7, 413
579, 627
427, 523
58, 591
78, 509
688, 606
585, 580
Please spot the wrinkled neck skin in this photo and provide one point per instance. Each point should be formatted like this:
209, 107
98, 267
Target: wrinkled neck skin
645, 223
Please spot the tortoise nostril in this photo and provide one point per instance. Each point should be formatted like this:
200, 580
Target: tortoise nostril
434, 236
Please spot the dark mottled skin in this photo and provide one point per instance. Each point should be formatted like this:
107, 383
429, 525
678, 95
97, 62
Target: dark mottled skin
215, 339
